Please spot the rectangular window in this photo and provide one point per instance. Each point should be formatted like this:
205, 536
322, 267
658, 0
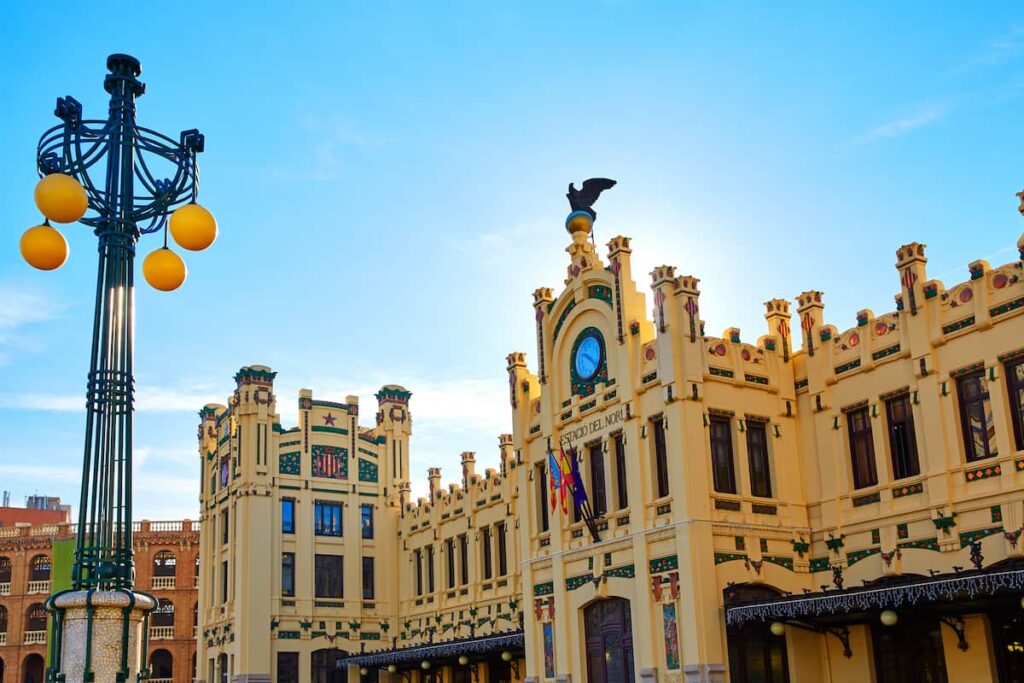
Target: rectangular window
287, 667
976, 416
485, 547
757, 455
430, 569
1015, 387
329, 577
502, 551
224, 581
366, 519
621, 493
419, 571
902, 441
367, 578
660, 456
862, 449
542, 495
288, 574
224, 533
598, 494
287, 516
327, 518
464, 556
723, 470
449, 551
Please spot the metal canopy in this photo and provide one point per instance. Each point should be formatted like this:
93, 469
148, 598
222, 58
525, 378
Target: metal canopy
454, 648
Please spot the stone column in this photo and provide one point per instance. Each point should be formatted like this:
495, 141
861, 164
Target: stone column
94, 626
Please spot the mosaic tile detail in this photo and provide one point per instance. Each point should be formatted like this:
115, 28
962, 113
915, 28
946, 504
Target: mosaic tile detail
852, 365
663, 564
719, 372
1019, 465
885, 353
902, 531
764, 545
740, 542
574, 582
542, 589
330, 462
800, 384
969, 537
921, 544
997, 513
762, 509
732, 505
289, 463
1007, 307
367, 470
907, 490
600, 292
330, 430
561, 319
856, 556
729, 557
626, 572
780, 560
983, 472
870, 498
819, 564
876, 536
958, 325
756, 379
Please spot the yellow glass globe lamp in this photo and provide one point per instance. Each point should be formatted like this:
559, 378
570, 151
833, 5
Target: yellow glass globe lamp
888, 617
164, 270
506, 656
61, 198
392, 668
424, 665
43, 247
363, 671
777, 628
193, 227
463, 660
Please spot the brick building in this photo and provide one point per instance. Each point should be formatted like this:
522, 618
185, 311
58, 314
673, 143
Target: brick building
35, 561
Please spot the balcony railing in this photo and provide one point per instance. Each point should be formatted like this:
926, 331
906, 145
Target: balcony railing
161, 633
160, 680
5, 588
35, 637
38, 587
3, 639
163, 583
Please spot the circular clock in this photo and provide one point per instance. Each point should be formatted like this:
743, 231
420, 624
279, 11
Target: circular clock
588, 357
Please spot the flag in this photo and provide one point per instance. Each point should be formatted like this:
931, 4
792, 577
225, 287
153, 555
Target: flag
567, 480
579, 493
554, 479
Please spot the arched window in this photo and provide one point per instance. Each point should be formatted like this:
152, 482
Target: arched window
40, 568
35, 618
164, 563
161, 664
5, 570
197, 565
163, 615
3, 619
195, 616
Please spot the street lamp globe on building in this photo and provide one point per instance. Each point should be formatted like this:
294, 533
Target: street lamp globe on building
123, 181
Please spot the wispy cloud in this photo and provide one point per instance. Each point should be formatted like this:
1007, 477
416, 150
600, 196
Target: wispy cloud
1002, 49
147, 399
36, 472
21, 307
330, 140
897, 127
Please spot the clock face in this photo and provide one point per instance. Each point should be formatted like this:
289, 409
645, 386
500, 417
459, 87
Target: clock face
588, 358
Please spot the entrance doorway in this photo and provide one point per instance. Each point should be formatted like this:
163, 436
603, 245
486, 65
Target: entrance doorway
1008, 641
920, 638
32, 669
609, 641
326, 665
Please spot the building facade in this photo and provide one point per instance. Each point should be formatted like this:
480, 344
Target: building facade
36, 560
809, 504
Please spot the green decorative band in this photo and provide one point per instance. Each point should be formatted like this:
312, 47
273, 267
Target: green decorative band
649, 378
574, 582
762, 509
567, 415
330, 430
852, 365
663, 564
289, 488
366, 452
602, 292
1007, 307
610, 395
800, 384
588, 405
922, 544
733, 505
720, 372
819, 564
328, 603
729, 557
285, 444
551, 304
394, 394
867, 500
885, 353
969, 537
626, 572
781, 560
369, 635
973, 367
251, 375
288, 635
756, 379
534, 429
544, 589
332, 404
566, 402
908, 490
983, 472
561, 319
323, 490
958, 325
856, 556
1010, 355
223, 440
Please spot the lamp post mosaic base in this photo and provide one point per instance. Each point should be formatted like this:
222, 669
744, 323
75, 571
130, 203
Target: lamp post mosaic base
100, 626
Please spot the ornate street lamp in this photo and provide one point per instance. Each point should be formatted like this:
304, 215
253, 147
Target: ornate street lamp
148, 178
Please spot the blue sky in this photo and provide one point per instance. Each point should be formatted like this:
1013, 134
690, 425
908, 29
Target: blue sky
389, 181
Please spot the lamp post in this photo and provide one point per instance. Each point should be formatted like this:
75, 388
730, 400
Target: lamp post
129, 180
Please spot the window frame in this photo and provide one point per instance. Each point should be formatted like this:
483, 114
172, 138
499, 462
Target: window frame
324, 583
717, 442
288, 574
902, 430
330, 525
759, 488
621, 487
662, 486
500, 532
861, 435
288, 518
366, 529
598, 480
369, 588
1015, 388
984, 398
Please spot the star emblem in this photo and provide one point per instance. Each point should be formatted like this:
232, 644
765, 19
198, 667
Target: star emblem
329, 419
